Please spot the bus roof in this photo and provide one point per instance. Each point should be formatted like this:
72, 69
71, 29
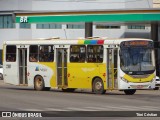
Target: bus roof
71, 41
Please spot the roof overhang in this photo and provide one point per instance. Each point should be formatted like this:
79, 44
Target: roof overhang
126, 15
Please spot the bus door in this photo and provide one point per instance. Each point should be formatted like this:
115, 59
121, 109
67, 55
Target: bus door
112, 82
22, 60
61, 55
10, 65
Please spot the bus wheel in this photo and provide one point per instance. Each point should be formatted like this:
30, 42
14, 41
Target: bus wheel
39, 83
1, 76
68, 90
47, 88
129, 92
98, 87
156, 88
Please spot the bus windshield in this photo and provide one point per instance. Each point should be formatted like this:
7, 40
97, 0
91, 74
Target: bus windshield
137, 60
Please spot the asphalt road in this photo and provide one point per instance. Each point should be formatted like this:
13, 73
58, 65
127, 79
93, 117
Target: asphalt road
18, 98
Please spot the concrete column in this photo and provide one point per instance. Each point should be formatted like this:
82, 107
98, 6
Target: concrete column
88, 29
155, 38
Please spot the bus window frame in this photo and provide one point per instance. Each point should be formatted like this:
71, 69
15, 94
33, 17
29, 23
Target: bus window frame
95, 53
12, 57
39, 54
80, 60
35, 59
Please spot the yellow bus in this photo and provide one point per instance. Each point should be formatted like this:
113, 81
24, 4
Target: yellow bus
97, 64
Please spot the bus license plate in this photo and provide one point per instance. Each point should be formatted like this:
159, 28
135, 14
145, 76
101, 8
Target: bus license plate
139, 86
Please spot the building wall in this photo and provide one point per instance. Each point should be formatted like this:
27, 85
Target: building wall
63, 5
18, 33
156, 3
15, 5
138, 33
139, 3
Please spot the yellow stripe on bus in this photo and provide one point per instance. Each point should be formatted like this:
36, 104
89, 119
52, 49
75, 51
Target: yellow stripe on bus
80, 41
138, 80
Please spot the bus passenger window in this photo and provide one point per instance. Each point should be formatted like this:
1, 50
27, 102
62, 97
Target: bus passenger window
46, 53
77, 53
33, 53
95, 53
32, 58
10, 53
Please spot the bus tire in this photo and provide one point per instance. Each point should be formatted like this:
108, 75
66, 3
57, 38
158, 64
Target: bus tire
1, 76
129, 92
47, 88
97, 86
156, 88
39, 83
68, 90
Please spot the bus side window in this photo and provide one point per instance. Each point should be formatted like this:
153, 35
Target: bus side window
46, 53
33, 53
95, 53
10, 53
77, 53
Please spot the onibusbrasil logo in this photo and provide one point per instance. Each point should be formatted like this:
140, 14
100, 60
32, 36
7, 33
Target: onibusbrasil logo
21, 114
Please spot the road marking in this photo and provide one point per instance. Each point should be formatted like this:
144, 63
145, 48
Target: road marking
151, 107
31, 109
142, 107
108, 108
105, 108
134, 108
80, 109
119, 108
98, 108
55, 109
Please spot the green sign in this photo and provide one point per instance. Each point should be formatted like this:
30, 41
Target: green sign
90, 18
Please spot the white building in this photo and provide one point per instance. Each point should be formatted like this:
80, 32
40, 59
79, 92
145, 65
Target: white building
16, 31
156, 3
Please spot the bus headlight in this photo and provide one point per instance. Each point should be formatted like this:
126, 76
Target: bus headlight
154, 79
124, 80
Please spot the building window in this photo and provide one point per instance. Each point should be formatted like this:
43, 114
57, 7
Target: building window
136, 27
75, 26
49, 26
6, 21
10, 53
25, 25
107, 27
